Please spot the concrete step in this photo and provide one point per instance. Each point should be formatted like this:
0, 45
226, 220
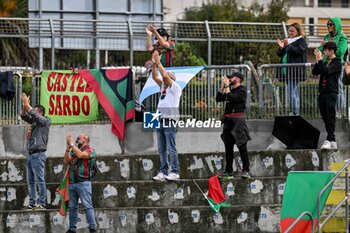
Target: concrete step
110, 194
144, 167
125, 184
156, 220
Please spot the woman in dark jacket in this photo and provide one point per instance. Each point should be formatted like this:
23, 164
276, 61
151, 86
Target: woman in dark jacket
293, 50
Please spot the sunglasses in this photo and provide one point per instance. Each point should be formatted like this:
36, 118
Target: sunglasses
330, 24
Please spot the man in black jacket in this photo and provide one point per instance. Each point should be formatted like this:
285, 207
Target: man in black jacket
329, 72
235, 130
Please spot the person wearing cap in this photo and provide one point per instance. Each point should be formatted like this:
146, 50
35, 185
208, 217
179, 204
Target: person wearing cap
164, 46
168, 108
235, 130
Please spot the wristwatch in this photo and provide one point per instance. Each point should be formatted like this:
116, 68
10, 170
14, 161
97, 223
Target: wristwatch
71, 145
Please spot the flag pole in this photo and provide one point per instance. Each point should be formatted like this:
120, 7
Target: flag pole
205, 196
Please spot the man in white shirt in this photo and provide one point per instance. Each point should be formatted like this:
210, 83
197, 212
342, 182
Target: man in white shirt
168, 106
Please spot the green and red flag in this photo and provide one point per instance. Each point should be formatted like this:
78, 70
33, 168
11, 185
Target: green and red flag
113, 88
300, 194
216, 197
63, 191
67, 97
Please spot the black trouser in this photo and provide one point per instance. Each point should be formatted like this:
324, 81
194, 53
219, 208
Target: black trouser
327, 104
229, 141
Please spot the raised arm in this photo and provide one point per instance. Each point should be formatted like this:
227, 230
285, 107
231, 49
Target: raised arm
24, 114
80, 154
166, 79
160, 39
149, 46
155, 71
224, 88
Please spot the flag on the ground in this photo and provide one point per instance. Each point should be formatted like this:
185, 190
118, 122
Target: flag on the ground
216, 197
183, 76
113, 88
63, 191
300, 195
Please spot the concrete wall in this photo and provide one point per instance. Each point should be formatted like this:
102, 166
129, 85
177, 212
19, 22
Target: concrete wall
139, 141
127, 200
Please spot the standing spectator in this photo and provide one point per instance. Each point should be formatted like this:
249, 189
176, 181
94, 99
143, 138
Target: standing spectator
293, 50
168, 107
164, 46
329, 72
235, 130
37, 138
336, 35
81, 158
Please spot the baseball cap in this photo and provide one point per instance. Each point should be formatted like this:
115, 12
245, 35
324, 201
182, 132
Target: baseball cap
236, 74
162, 32
171, 75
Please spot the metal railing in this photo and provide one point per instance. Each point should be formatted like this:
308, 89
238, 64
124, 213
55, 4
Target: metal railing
10, 109
198, 97
280, 83
268, 93
96, 43
345, 200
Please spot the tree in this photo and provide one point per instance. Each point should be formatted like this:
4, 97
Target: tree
185, 56
228, 11
15, 51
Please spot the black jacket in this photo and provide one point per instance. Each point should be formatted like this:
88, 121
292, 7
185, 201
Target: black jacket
329, 75
7, 88
296, 53
235, 100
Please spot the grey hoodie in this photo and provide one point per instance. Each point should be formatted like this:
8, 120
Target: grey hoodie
39, 134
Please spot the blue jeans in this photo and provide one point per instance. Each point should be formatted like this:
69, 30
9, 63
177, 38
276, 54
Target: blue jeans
36, 176
166, 138
294, 98
82, 190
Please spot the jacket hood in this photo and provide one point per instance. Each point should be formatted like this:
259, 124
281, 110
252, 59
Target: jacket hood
337, 23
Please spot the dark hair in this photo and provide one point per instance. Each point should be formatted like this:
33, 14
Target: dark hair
163, 32
330, 46
40, 108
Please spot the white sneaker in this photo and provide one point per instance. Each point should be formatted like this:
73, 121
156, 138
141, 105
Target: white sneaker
172, 176
326, 145
334, 145
159, 177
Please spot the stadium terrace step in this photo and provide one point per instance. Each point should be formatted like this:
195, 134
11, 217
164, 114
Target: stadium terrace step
127, 200
198, 166
149, 194
162, 219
